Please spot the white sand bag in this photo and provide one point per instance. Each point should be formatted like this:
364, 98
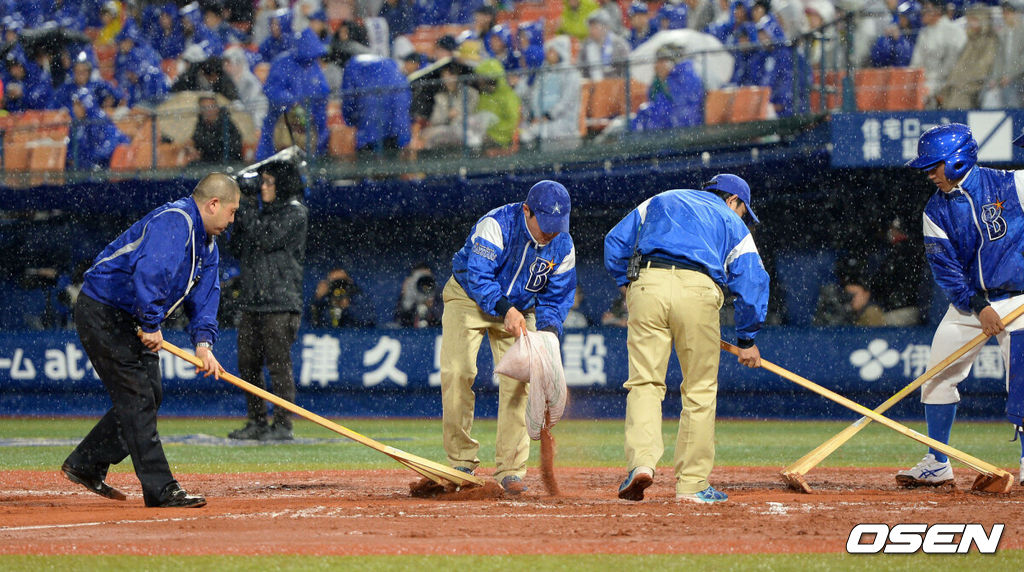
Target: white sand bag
536, 357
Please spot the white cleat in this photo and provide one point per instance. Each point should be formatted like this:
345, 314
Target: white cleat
927, 473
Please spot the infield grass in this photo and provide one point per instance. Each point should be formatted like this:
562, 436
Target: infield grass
581, 443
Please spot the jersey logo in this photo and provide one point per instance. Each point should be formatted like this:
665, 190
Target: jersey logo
992, 216
539, 272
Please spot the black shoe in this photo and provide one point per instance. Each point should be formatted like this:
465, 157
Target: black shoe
175, 497
94, 484
252, 430
277, 433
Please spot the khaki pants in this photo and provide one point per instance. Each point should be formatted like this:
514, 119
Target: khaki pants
682, 306
464, 325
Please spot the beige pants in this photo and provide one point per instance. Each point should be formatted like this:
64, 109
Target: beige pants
464, 325
682, 306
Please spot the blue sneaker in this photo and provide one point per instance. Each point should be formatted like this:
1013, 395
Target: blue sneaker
466, 470
636, 481
513, 485
708, 495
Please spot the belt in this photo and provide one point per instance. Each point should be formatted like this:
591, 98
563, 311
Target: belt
654, 262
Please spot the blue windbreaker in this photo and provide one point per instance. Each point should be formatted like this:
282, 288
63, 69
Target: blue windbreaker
696, 228
974, 238
501, 266
163, 260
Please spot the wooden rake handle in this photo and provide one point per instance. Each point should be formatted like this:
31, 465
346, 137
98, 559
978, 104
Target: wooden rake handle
430, 469
811, 459
972, 462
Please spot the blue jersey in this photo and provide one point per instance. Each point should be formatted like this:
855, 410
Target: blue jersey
501, 266
162, 261
695, 228
974, 238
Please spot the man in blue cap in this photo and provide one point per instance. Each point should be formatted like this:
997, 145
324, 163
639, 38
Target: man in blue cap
517, 271
672, 256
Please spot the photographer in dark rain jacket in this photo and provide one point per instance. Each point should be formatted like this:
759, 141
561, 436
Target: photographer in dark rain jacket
270, 243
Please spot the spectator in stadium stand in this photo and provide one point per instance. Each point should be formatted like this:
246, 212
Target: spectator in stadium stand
574, 17
640, 29
295, 78
133, 47
92, 136
485, 18
213, 30
603, 54
497, 112
143, 83
261, 23
167, 38
676, 96
1005, 88
895, 45
375, 99
501, 47
400, 16
302, 13
777, 65
112, 19
250, 90
898, 279
938, 47
191, 19
280, 39
26, 85
451, 103
216, 139
553, 109
819, 13
615, 15
205, 73
239, 15
434, 12
336, 303
670, 17
349, 39
318, 23
700, 13
974, 66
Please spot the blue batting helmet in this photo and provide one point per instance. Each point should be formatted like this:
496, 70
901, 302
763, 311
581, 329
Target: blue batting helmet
952, 143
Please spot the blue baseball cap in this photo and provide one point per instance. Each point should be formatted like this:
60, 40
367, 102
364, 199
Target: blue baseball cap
549, 202
734, 186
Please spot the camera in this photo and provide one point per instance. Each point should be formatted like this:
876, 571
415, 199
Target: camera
290, 162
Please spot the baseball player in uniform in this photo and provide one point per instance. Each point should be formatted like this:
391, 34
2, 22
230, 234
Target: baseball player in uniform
689, 244
974, 240
517, 270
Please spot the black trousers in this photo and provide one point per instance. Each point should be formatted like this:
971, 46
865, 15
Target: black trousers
131, 374
267, 339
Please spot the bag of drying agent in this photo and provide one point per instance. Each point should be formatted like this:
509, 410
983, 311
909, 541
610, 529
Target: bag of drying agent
536, 358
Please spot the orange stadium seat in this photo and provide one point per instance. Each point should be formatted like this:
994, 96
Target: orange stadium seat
123, 158
870, 86
718, 105
586, 90
48, 158
833, 90
342, 141
750, 104
905, 89
170, 155
16, 156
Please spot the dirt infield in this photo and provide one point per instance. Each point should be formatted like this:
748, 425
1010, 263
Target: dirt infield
371, 512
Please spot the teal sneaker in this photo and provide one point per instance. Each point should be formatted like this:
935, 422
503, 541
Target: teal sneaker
706, 496
636, 481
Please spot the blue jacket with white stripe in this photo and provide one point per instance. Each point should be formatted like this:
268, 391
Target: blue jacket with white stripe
696, 228
163, 260
502, 266
974, 238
